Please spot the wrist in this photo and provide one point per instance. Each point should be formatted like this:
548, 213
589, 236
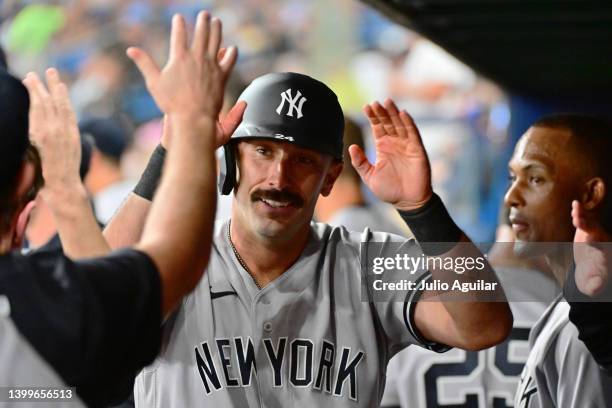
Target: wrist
432, 226
58, 194
149, 180
412, 206
191, 119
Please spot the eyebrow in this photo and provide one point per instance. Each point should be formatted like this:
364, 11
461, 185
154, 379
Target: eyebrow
530, 166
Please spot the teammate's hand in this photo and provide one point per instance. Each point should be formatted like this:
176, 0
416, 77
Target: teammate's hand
401, 175
593, 261
193, 80
54, 131
226, 125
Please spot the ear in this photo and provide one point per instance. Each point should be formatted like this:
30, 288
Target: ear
22, 223
593, 194
333, 172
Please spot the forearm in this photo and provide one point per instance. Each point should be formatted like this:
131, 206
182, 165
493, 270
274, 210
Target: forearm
479, 317
76, 223
475, 318
188, 209
125, 228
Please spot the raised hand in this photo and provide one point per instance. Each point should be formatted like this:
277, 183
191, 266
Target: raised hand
226, 125
592, 252
402, 174
54, 131
193, 80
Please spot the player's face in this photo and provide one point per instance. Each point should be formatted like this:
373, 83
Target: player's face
544, 182
278, 186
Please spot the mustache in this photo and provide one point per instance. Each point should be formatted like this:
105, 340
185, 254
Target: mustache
278, 195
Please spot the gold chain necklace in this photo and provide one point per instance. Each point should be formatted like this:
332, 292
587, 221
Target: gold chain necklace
240, 260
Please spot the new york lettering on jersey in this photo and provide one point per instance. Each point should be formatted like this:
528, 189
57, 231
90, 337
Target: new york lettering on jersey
306, 339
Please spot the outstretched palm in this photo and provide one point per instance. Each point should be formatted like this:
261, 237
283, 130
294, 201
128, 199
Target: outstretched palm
401, 175
173, 87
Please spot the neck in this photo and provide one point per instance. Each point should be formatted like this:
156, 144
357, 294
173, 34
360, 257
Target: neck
267, 259
344, 194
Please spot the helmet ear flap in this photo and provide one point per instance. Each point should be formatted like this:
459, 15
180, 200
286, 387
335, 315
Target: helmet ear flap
227, 170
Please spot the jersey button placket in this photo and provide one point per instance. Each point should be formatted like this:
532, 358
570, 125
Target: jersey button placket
267, 326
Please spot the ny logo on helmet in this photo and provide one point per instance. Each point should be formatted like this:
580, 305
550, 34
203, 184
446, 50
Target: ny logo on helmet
295, 103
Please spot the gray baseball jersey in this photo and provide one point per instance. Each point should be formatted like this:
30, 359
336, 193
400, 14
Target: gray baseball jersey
374, 216
22, 367
560, 371
305, 340
488, 378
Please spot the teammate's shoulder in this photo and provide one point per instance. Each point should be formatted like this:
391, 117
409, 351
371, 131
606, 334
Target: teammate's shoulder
341, 233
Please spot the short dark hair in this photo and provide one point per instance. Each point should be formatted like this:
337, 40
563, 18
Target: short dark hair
14, 108
592, 141
33, 156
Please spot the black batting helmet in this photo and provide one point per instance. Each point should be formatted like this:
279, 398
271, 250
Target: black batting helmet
288, 107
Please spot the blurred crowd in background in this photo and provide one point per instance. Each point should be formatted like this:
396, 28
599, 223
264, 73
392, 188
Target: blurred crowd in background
360, 54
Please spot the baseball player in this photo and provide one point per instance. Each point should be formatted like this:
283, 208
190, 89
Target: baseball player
559, 163
59, 318
278, 319
488, 378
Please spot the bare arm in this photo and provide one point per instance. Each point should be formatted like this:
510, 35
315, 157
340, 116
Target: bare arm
177, 234
54, 131
126, 226
402, 176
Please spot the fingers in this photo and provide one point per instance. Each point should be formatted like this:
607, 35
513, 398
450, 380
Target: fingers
377, 127
59, 94
178, 37
393, 114
385, 119
202, 32
220, 54
39, 110
145, 64
215, 38
408, 123
233, 118
360, 162
229, 60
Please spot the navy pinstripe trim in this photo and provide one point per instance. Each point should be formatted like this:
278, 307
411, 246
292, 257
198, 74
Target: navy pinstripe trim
409, 309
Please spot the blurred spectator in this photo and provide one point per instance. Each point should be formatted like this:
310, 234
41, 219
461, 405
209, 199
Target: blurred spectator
361, 54
346, 205
105, 180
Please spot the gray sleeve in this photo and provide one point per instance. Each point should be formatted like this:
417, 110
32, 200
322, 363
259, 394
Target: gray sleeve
395, 308
580, 381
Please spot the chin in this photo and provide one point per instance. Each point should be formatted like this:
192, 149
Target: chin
279, 230
531, 249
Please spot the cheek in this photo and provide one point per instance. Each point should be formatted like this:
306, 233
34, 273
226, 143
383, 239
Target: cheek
312, 184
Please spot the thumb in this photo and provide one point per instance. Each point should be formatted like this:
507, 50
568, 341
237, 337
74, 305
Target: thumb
587, 227
232, 120
147, 67
360, 162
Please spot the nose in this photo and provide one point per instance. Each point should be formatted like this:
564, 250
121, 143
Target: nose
514, 197
280, 176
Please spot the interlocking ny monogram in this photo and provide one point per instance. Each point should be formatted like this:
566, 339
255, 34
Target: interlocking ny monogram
298, 98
